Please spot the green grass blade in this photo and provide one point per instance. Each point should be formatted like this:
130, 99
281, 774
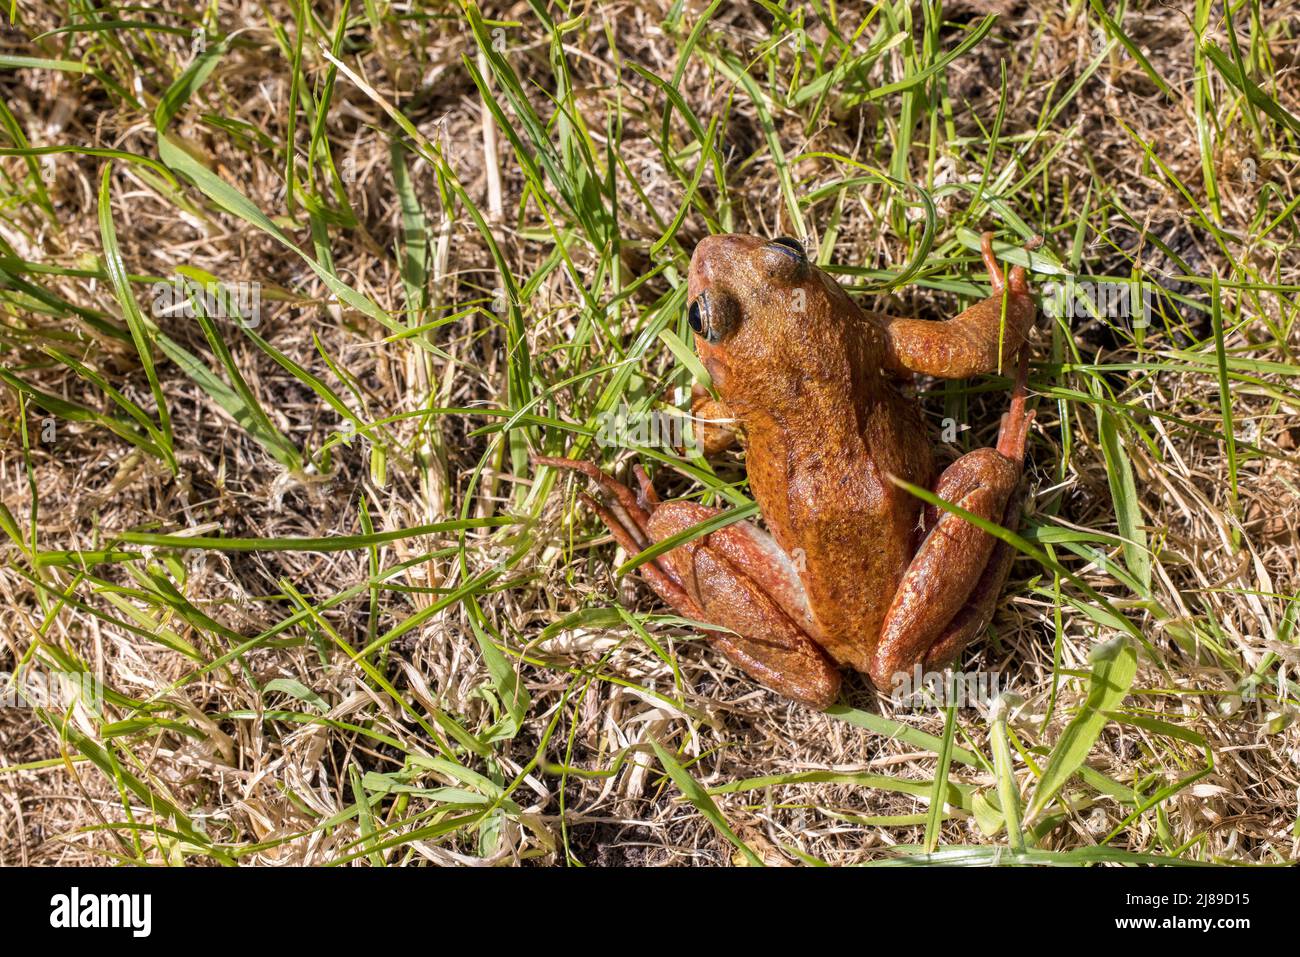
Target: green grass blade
1114, 665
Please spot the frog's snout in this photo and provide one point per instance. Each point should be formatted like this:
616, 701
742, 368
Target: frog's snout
709, 252
716, 258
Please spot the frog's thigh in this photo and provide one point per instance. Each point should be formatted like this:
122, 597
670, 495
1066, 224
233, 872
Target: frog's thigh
979, 607
945, 589
743, 582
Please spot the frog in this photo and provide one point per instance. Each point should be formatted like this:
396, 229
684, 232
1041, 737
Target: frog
850, 569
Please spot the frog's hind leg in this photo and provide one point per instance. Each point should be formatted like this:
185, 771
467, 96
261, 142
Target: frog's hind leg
736, 578
744, 583
975, 615
627, 516
950, 589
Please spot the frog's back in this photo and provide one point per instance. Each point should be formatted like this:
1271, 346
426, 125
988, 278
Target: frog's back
830, 505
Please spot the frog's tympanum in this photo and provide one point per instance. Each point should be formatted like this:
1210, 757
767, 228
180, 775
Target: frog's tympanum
853, 570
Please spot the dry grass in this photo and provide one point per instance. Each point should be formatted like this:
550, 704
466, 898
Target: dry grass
517, 701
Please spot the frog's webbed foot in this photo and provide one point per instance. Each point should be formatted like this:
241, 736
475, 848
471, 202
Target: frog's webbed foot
736, 578
951, 587
627, 516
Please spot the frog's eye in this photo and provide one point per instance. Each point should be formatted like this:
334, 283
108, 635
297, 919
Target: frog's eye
792, 244
693, 316
713, 314
785, 258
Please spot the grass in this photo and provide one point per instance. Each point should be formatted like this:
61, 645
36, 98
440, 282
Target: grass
338, 616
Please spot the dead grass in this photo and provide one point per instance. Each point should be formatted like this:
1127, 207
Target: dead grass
291, 753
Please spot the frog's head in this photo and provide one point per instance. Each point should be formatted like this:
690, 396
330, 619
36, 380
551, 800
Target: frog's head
766, 320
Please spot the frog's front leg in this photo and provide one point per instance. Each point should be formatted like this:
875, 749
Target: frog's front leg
736, 578
980, 340
949, 591
713, 424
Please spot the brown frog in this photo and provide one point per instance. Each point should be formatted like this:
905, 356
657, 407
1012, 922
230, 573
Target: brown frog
853, 571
